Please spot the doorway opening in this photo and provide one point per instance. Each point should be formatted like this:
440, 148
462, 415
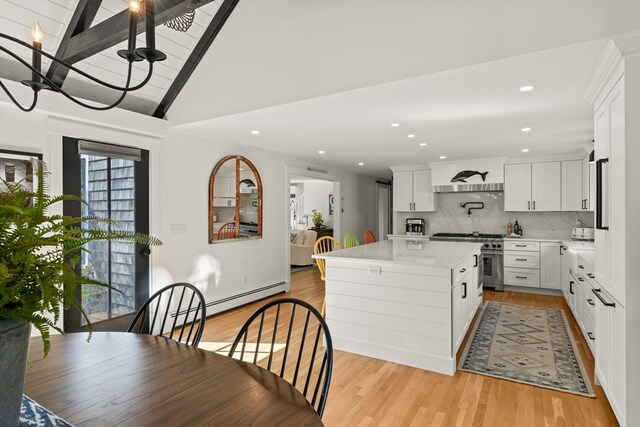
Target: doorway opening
314, 212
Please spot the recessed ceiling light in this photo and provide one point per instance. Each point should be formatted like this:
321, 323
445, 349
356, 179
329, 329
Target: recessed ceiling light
443, 157
411, 135
321, 151
525, 150
395, 125
255, 132
360, 164
423, 144
527, 88
525, 130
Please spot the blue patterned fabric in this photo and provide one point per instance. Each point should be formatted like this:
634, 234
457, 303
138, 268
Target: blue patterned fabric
32, 414
531, 345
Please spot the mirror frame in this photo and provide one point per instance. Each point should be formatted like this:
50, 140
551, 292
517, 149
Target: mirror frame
212, 178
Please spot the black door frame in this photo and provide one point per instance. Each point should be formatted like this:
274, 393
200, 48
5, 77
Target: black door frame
71, 184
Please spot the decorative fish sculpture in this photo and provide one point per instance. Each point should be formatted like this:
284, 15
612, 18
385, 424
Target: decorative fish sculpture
247, 182
464, 175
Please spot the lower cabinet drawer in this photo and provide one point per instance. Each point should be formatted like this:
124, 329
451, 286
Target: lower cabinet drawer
522, 277
589, 302
521, 259
590, 330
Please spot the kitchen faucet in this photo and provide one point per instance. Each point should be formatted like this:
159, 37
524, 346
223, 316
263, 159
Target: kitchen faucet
464, 205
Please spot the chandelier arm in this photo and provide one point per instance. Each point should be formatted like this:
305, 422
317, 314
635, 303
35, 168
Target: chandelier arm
15, 101
82, 73
57, 88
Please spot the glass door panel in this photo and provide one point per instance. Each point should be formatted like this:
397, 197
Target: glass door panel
116, 188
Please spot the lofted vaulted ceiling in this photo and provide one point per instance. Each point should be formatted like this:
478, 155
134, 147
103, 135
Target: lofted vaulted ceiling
332, 75
17, 18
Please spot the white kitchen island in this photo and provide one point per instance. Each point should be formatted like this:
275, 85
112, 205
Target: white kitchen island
405, 301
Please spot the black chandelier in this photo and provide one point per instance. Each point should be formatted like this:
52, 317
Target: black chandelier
40, 81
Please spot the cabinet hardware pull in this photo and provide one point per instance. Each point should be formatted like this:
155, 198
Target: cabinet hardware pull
475, 260
521, 277
590, 301
580, 266
521, 246
464, 284
561, 248
599, 164
571, 287
521, 259
580, 279
463, 270
529, 205
591, 336
591, 276
597, 292
534, 205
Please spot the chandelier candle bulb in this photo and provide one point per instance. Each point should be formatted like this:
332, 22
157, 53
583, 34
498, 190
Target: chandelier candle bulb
133, 24
38, 37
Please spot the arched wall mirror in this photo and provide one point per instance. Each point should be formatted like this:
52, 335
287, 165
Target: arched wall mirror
235, 201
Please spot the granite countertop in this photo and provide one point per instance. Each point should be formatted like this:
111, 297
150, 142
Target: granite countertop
416, 252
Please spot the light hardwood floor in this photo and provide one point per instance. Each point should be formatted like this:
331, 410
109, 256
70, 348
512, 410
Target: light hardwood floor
371, 392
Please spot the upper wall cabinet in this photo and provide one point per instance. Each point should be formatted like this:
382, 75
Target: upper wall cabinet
235, 200
577, 183
572, 196
532, 187
412, 190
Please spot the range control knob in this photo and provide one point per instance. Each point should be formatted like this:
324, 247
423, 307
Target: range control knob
499, 245
493, 245
486, 245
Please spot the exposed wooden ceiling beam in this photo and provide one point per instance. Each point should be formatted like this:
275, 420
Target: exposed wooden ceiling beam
80, 21
218, 21
114, 30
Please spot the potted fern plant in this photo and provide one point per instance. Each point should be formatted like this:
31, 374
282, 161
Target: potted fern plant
39, 253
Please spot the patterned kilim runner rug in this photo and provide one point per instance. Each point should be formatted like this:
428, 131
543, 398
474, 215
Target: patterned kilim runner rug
529, 345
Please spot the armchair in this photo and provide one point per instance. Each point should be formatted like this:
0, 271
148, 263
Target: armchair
302, 247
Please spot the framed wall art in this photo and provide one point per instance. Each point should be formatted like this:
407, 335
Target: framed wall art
18, 167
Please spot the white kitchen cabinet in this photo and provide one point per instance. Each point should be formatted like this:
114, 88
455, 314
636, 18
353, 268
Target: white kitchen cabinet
412, 191
610, 355
225, 192
610, 161
587, 201
572, 185
458, 308
550, 265
532, 187
402, 190
517, 187
546, 186
522, 263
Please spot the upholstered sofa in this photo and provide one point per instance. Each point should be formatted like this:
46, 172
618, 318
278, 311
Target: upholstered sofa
302, 246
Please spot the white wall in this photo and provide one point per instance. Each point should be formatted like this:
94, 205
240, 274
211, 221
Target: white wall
180, 169
316, 196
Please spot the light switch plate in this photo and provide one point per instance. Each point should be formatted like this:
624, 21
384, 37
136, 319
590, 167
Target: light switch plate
178, 229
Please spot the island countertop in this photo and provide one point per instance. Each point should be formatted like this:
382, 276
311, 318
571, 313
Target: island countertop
419, 252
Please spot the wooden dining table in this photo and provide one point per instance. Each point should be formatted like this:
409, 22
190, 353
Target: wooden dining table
141, 380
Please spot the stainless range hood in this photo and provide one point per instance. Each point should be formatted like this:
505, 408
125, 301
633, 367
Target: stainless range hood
465, 188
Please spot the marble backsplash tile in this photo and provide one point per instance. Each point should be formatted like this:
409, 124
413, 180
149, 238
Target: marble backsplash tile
451, 217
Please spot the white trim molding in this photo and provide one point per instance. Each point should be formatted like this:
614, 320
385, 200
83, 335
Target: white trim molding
610, 66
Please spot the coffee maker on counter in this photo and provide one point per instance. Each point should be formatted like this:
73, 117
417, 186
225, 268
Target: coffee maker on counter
414, 227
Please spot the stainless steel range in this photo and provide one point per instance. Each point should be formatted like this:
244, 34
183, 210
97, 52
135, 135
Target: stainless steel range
492, 255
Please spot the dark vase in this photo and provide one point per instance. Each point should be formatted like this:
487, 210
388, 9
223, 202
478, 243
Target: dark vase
14, 347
